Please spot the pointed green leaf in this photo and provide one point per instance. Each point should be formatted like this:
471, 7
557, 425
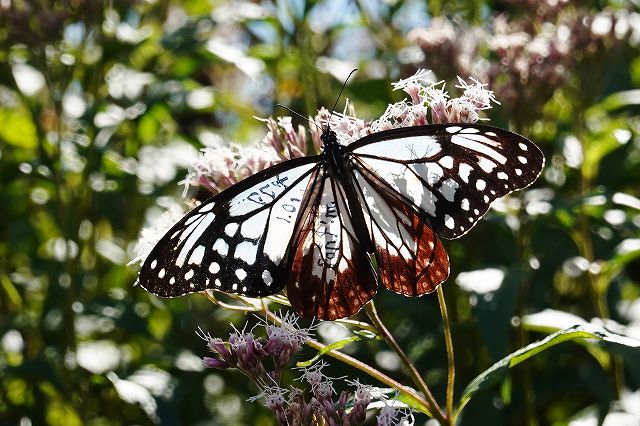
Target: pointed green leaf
337, 345
498, 370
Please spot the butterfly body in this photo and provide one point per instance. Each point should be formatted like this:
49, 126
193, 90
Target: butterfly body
312, 224
338, 164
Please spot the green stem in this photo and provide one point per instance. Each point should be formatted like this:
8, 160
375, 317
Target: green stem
435, 409
406, 391
451, 365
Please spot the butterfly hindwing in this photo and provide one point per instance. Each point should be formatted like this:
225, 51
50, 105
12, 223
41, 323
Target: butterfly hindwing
450, 172
411, 258
331, 275
236, 241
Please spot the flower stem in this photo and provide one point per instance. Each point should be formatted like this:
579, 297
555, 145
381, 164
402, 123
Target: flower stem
406, 391
451, 366
435, 409
365, 368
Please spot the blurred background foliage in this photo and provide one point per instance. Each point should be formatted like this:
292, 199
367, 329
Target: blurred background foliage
104, 105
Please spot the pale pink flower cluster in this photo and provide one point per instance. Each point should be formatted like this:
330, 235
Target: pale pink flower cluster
394, 416
347, 126
287, 141
219, 167
262, 359
529, 54
430, 103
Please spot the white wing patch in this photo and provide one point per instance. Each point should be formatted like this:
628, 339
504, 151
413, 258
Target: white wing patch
407, 148
266, 192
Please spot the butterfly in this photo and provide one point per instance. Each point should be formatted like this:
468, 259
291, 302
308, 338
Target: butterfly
317, 225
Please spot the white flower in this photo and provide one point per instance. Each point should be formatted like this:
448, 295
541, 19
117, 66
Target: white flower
288, 330
274, 397
317, 379
394, 416
477, 94
150, 235
418, 78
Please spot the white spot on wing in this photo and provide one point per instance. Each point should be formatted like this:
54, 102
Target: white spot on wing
267, 278
470, 130
446, 162
241, 274
481, 185
189, 274
449, 222
453, 129
154, 264
486, 164
503, 176
231, 229
254, 227
161, 273
448, 189
206, 208
247, 252
464, 204
522, 159
221, 246
522, 146
197, 255
464, 170
214, 268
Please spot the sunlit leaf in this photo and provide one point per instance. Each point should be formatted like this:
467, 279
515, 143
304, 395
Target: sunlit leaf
16, 128
499, 370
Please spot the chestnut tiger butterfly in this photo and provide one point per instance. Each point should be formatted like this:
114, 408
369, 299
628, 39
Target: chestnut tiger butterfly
313, 225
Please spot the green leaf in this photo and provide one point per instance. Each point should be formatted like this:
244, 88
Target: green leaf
337, 345
17, 129
621, 100
498, 371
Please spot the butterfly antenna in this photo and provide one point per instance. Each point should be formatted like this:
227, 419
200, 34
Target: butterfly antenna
299, 115
340, 94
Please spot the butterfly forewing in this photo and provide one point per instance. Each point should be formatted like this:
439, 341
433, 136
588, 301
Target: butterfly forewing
236, 241
331, 275
451, 173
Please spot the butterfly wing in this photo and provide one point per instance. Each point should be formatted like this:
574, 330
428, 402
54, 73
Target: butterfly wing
331, 275
452, 172
237, 241
411, 258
